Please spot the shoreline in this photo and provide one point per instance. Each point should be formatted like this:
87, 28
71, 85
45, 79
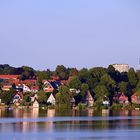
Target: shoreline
74, 108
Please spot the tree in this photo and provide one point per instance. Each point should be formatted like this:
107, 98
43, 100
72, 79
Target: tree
138, 75
42, 97
63, 97
75, 83
109, 83
92, 82
111, 69
132, 77
61, 71
43, 75
97, 72
123, 87
100, 91
84, 88
138, 85
28, 73
73, 72
115, 75
7, 96
84, 75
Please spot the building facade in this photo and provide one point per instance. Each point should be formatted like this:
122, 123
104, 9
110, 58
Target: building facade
121, 67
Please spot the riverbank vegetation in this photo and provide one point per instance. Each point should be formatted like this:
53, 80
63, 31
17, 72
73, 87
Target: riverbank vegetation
100, 82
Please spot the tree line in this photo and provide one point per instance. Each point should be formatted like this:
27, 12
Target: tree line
98, 80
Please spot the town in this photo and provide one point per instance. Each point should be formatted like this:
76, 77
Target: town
116, 87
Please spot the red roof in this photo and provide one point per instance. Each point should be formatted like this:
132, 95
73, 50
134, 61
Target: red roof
9, 76
34, 88
28, 82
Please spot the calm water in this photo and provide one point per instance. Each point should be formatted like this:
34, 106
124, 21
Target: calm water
20, 124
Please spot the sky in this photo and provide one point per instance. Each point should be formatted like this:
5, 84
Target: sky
75, 33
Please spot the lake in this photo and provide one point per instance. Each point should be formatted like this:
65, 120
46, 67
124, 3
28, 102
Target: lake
35, 124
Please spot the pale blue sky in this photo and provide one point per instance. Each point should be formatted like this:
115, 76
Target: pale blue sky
75, 33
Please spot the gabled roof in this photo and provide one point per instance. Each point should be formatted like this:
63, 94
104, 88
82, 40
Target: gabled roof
135, 94
88, 96
51, 97
34, 88
120, 96
9, 76
20, 94
28, 82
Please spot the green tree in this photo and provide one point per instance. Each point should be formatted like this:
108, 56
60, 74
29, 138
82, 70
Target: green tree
61, 71
28, 73
107, 81
115, 75
43, 75
63, 97
123, 87
138, 85
7, 96
84, 75
132, 77
73, 72
100, 91
138, 75
75, 83
84, 88
42, 97
98, 72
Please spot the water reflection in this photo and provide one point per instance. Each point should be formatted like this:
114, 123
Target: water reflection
49, 125
2, 112
35, 124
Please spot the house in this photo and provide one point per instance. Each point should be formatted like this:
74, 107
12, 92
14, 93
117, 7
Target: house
35, 104
48, 87
8, 77
19, 88
105, 101
51, 99
73, 101
6, 87
72, 90
55, 84
121, 98
135, 98
34, 97
29, 82
34, 89
89, 99
17, 98
26, 88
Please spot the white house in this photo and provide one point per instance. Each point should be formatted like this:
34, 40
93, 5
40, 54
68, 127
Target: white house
72, 90
26, 88
33, 98
35, 104
89, 99
105, 101
72, 102
51, 99
17, 98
